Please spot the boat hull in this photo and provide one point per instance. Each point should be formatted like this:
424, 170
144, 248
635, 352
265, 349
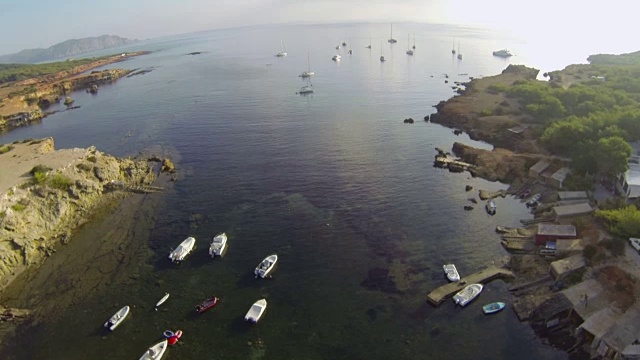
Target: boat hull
468, 294
451, 272
117, 318
156, 351
161, 301
256, 311
493, 308
183, 250
266, 266
207, 304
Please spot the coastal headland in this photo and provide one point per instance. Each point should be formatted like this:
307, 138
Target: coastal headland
46, 194
25, 98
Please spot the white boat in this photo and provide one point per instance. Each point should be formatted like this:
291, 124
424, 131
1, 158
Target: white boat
218, 245
534, 200
336, 57
282, 53
491, 207
161, 301
391, 39
156, 351
117, 318
382, 59
451, 272
409, 51
504, 53
459, 53
266, 266
453, 49
255, 312
308, 73
307, 89
467, 294
182, 250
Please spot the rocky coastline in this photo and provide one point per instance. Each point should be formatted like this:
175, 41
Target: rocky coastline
51, 193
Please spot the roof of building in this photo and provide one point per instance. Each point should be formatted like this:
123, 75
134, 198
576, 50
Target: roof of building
572, 195
556, 230
540, 166
561, 174
573, 210
596, 297
631, 350
625, 331
634, 191
599, 322
569, 264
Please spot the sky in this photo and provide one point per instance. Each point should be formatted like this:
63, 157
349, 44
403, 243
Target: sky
26, 24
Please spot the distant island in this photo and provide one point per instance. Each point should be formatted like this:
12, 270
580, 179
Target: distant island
65, 49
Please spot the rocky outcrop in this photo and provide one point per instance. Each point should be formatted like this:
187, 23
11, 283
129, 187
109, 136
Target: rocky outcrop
497, 164
42, 211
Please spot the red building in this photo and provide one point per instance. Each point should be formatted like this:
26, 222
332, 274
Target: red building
552, 232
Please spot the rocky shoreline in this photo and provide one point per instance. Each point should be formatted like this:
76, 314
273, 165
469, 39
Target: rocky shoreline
40, 209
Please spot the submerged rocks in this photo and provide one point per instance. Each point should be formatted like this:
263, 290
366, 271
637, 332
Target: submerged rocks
68, 100
468, 188
408, 121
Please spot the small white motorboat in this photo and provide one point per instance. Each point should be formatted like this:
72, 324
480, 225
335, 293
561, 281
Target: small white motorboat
491, 207
336, 57
282, 53
218, 245
466, 295
161, 301
117, 318
156, 351
451, 272
255, 312
266, 266
307, 89
182, 250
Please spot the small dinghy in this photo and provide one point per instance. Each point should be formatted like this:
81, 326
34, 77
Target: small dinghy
466, 295
117, 318
161, 301
156, 351
266, 266
182, 250
218, 245
206, 305
493, 307
451, 272
491, 207
255, 312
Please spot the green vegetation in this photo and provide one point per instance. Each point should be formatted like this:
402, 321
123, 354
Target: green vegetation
60, 182
624, 222
92, 159
18, 207
3, 213
39, 173
5, 149
39, 169
18, 72
624, 59
592, 120
22, 92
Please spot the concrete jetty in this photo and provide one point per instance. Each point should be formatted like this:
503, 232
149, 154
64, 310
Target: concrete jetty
438, 295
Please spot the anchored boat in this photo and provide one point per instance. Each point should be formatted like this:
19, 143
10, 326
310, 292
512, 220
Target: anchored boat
255, 312
156, 351
451, 272
266, 266
466, 295
491, 207
206, 305
161, 301
182, 250
218, 245
493, 307
117, 318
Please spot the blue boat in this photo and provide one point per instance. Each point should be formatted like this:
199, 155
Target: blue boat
493, 307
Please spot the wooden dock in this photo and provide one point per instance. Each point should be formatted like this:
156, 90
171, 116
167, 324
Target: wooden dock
438, 295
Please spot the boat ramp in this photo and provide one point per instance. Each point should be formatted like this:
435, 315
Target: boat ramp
436, 296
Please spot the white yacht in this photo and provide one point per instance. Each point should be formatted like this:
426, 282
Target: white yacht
308, 73
182, 250
307, 89
504, 53
282, 53
391, 39
266, 266
156, 351
256, 311
218, 245
336, 57
409, 50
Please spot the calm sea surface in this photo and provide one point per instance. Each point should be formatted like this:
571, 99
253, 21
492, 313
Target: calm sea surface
334, 183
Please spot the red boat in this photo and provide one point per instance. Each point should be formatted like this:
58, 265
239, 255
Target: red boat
207, 304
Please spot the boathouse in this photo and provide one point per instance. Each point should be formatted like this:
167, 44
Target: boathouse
553, 232
538, 168
557, 178
572, 211
560, 269
572, 195
610, 332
